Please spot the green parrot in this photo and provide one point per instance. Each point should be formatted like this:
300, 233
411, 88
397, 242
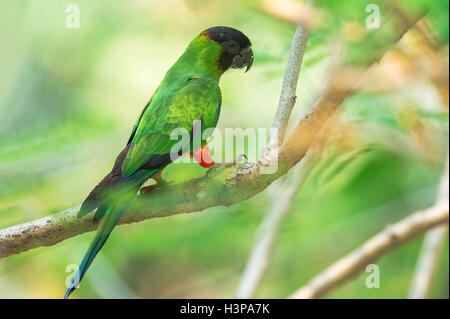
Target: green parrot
188, 94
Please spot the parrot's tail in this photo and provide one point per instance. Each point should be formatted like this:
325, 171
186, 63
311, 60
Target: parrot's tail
112, 204
113, 212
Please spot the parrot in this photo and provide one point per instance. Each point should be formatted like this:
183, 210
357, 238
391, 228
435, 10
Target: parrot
189, 97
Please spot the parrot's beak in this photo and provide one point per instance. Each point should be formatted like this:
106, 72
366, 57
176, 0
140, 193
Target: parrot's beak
243, 58
248, 58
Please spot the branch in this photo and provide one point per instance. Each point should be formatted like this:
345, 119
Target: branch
431, 249
435, 67
293, 66
385, 241
224, 187
427, 263
267, 234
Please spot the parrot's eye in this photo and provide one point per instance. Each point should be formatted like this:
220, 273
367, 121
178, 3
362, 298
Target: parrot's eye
231, 47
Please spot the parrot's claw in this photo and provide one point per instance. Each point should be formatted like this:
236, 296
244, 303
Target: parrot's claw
238, 159
148, 189
161, 183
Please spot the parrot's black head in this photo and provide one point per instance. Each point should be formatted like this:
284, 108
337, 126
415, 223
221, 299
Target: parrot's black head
237, 52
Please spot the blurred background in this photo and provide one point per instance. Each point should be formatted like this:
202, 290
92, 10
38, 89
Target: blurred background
69, 98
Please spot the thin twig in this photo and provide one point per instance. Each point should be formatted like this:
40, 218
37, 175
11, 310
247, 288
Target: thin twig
289, 86
431, 250
436, 68
376, 247
267, 234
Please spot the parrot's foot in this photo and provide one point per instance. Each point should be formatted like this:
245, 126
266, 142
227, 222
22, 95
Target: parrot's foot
148, 189
228, 164
160, 183
238, 159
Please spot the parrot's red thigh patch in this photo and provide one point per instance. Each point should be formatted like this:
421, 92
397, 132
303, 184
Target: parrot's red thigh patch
203, 156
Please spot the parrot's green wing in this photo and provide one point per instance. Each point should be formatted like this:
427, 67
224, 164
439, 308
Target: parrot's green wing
172, 108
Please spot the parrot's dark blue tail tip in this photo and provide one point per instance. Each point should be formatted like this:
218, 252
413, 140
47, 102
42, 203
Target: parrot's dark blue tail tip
68, 292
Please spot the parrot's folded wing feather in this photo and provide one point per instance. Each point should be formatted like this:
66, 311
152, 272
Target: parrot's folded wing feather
196, 99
